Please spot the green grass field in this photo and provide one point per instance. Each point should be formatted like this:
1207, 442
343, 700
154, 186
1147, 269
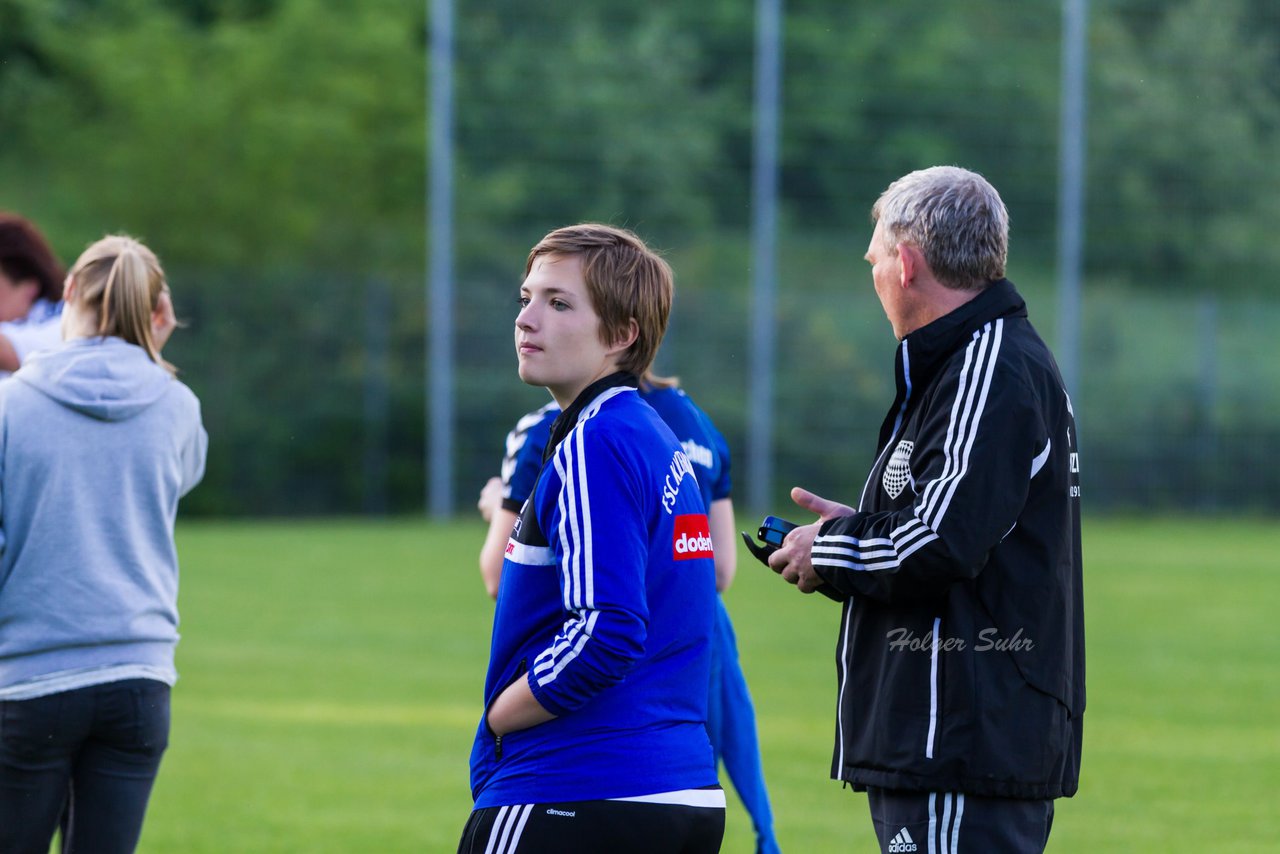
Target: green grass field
331, 678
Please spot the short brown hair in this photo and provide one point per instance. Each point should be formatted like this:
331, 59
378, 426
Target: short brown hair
25, 254
625, 279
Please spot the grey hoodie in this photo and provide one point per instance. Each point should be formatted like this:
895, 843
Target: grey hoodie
97, 444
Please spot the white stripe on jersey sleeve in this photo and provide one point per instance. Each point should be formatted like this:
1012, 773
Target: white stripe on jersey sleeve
987, 341
577, 567
879, 553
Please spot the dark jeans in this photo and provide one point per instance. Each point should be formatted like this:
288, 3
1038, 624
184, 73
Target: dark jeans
93, 753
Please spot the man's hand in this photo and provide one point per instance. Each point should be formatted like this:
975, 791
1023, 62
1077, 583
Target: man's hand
490, 498
794, 558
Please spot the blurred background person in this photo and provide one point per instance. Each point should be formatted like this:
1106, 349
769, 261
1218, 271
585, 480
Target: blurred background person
30, 292
100, 442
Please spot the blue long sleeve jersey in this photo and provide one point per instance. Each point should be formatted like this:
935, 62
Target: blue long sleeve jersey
606, 606
703, 444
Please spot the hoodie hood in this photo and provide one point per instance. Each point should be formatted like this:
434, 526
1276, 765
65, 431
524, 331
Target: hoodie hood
105, 378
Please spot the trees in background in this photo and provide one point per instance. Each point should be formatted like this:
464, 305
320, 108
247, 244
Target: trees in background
231, 134
292, 132
274, 150
1185, 131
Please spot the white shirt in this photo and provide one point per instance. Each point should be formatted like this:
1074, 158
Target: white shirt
40, 330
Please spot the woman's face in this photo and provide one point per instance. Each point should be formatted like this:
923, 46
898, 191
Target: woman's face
16, 297
557, 333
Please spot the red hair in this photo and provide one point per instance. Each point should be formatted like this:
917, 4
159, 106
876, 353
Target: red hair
25, 254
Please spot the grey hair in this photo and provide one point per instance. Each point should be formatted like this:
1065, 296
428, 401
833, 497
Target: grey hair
954, 217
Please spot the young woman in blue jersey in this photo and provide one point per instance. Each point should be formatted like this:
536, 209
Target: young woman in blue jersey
730, 713
98, 442
594, 732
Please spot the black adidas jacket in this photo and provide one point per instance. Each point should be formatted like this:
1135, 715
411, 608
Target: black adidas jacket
961, 648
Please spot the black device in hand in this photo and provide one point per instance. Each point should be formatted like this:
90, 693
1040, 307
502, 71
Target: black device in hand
771, 533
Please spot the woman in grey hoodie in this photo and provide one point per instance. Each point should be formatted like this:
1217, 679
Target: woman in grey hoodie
98, 441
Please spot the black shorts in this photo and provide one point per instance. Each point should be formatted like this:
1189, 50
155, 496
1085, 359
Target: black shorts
589, 827
954, 823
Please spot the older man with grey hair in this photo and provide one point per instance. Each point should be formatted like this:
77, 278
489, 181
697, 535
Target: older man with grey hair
961, 645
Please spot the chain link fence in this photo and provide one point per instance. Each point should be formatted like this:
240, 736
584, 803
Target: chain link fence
313, 383
313, 388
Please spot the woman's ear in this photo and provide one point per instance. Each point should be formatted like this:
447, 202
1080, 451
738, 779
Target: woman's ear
68, 289
627, 338
163, 320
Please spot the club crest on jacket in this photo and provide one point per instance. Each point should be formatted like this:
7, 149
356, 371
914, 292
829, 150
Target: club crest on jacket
897, 473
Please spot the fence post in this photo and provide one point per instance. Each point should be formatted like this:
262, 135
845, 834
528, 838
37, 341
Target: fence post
764, 240
1209, 483
439, 368
377, 395
1071, 188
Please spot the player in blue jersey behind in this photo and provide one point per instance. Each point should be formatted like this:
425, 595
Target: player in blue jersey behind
730, 712
594, 732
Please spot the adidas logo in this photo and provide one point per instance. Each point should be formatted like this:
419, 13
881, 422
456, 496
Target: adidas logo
902, 843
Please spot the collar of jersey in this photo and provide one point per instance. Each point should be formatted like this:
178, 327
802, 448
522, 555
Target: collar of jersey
931, 345
565, 420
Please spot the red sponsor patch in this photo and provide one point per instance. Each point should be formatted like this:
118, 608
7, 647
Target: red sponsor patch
692, 537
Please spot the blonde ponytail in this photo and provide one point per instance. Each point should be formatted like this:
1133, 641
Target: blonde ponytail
119, 281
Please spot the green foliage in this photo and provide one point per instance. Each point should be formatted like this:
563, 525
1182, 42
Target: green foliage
1184, 135
586, 111
243, 132
875, 91
273, 151
240, 142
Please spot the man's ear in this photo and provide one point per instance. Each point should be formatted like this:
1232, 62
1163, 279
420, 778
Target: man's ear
909, 261
626, 339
